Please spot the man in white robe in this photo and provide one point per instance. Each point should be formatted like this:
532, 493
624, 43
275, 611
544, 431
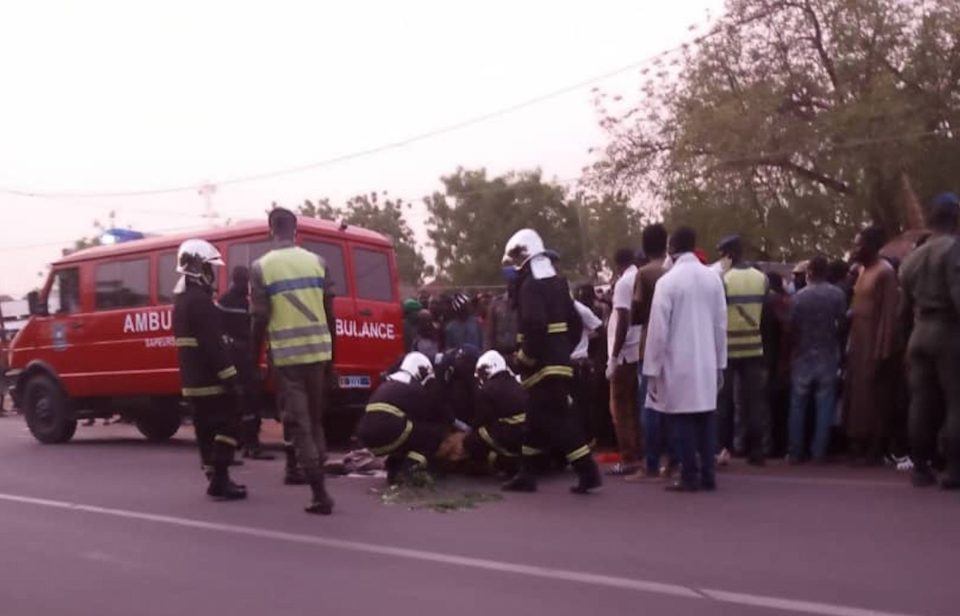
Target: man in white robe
685, 356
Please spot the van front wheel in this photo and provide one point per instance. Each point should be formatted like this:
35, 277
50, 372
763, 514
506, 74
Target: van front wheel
160, 424
47, 410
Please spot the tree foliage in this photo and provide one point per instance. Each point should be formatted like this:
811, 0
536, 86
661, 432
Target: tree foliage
794, 122
471, 221
384, 216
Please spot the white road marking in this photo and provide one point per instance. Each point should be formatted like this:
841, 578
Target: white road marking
792, 605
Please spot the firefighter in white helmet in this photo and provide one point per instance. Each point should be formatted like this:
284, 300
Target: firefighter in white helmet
404, 420
499, 419
549, 328
208, 377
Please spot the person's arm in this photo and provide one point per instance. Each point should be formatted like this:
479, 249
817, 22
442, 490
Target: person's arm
887, 295
953, 276
532, 325
622, 296
209, 335
260, 311
720, 324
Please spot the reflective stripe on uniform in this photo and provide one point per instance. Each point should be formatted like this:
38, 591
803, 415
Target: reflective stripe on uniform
293, 284
185, 342
536, 377
556, 328
383, 407
200, 392
530, 451
494, 445
388, 449
301, 350
298, 331
220, 438
227, 373
514, 419
417, 457
745, 289
577, 454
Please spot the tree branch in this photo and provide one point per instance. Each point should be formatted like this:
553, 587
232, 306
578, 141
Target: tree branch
784, 162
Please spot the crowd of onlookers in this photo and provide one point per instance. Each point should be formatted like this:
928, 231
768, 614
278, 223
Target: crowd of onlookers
816, 352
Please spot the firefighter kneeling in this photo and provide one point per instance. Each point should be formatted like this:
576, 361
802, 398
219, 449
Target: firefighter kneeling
209, 378
404, 420
499, 417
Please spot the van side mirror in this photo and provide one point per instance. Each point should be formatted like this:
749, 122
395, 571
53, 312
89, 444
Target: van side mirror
37, 308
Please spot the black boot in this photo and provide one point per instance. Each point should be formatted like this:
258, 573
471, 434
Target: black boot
222, 487
524, 480
321, 503
923, 476
588, 474
257, 452
293, 474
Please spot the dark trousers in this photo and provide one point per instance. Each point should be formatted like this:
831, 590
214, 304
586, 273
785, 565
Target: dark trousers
695, 435
215, 424
251, 398
934, 356
623, 411
552, 424
399, 438
301, 402
744, 413
584, 394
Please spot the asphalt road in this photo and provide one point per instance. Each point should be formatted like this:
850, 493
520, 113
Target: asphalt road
110, 524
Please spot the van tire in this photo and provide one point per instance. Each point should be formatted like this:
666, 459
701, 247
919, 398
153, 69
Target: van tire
160, 424
47, 411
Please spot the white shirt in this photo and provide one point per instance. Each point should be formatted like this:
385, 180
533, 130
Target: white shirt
686, 339
591, 323
622, 299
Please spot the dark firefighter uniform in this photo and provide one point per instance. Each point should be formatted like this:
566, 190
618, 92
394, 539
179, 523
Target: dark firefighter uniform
931, 297
208, 376
499, 422
405, 422
456, 387
549, 326
234, 306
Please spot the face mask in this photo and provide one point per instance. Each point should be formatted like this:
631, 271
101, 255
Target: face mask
726, 263
509, 273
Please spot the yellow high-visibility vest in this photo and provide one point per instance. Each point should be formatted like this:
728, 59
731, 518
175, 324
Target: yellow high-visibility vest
298, 331
746, 290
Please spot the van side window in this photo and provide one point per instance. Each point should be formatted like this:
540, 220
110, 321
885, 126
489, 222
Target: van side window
245, 253
372, 274
332, 255
123, 284
64, 297
166, 277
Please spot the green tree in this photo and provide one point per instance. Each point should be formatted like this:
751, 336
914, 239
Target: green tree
384, 216
471, 221
795, 122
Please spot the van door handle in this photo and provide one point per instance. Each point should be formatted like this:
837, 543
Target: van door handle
366, 312
75, 326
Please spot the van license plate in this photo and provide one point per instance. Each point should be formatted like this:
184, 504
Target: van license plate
354, 382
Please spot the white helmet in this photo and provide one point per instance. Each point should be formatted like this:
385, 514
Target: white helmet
195, 259
521, 247
418, 366
490, 363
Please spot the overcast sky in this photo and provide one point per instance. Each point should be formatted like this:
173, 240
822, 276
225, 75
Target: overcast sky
105, 96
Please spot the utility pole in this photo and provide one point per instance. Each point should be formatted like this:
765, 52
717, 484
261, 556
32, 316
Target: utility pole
206, 191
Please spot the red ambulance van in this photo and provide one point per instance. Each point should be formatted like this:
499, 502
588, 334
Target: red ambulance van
100, 341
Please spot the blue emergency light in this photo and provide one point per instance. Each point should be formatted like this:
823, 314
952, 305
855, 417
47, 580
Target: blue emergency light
117, 236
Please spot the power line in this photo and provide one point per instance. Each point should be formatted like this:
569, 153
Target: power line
478, 119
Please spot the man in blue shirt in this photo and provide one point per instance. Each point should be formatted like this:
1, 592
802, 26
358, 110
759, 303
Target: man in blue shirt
816, 322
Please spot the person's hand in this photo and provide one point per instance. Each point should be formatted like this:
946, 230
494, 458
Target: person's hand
333, 379
611, 368
653, 390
